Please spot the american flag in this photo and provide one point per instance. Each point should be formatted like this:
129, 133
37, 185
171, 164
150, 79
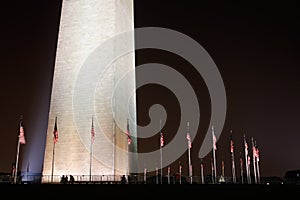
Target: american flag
249, 160
55, 132
180, 168
256, 153
22, 136
93, 131
162, 142
214, 141
128, 134
188, 137
246, 148
231, 146
191, 169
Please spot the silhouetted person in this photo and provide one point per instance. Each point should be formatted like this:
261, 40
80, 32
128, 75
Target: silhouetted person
71, 179
123, 179
62, 179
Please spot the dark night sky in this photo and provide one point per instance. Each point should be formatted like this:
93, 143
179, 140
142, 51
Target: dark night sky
254, 44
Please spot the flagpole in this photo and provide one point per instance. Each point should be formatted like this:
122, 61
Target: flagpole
249, 168
246, 159
257, 163
53, 152
128, 148
18, 151
189, 153
214, 155
232, 159
233, 169
242, 171
258, 173
169, 170
161, 145
145, 175
91, 149
202, 175
27, 171
55, 138
180, 172
127, 166
254, 162
212, 172
223, 172
17, 161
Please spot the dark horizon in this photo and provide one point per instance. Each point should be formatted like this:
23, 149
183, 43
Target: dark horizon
254, 45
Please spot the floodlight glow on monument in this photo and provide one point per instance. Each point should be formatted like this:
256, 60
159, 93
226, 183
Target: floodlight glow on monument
93, 89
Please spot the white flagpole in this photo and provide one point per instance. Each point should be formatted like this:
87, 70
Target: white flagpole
249, 171
202, 175
258, 173
21, 134
246, 160
214, 155
254, 162
145, 175
17, 162
189, 152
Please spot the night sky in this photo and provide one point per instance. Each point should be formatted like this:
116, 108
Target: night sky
254, 44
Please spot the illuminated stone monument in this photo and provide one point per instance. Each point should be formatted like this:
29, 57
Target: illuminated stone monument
82, 91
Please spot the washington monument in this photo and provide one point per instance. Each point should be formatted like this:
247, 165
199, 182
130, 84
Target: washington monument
94, 120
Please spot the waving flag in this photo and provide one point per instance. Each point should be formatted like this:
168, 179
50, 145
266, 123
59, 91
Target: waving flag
22, 136
55, 132
214, 141
93, 131
246, 148
257, 154
128, 134
188, 137
162, 142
